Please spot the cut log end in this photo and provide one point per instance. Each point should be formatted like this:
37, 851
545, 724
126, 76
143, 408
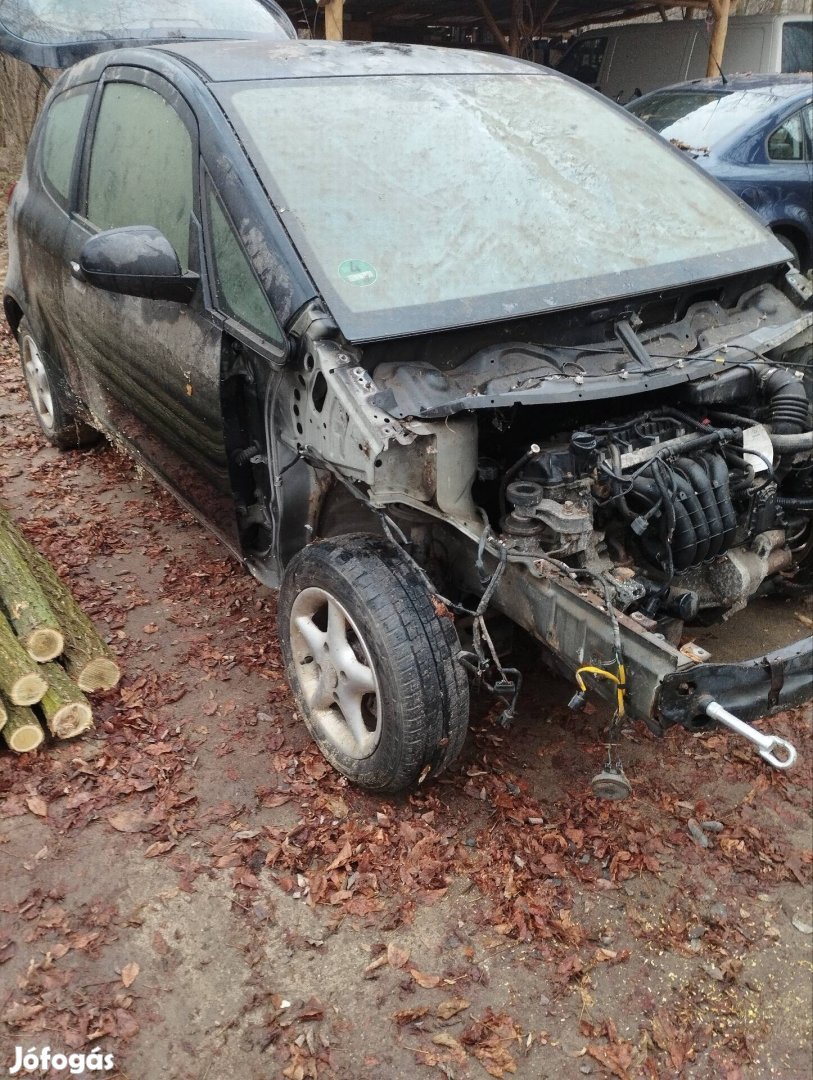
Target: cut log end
44, 644
28, 689
71, 720
101, 673
22, 731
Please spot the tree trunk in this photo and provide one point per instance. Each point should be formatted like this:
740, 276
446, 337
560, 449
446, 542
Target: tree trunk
88, 660
28, 610
20, 680
22, 730
65, 708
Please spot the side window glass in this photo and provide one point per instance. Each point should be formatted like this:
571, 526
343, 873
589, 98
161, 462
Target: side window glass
787, 142
807, 121
63, 128
238, 290
141, 166
583, 62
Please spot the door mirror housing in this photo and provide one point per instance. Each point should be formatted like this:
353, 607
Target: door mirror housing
135, 261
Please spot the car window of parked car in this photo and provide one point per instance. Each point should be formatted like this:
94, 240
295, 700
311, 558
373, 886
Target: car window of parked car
583, 61
141, 166
797, 46
239, 293
787, 142
63, 125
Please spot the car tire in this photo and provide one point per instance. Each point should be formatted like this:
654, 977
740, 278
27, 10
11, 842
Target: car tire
793, 251
372, 665
51, 398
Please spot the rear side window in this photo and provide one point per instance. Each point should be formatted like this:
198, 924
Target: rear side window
63, 128
797, 46
142, 166
787, 143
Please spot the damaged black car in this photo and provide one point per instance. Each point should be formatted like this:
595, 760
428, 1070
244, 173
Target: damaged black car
431, 339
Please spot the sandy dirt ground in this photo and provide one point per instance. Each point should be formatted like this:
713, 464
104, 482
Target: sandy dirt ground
193, 890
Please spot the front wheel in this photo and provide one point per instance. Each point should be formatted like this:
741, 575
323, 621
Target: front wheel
371, 663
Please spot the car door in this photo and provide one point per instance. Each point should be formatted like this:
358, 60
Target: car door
40, 214
150, 369
787, 193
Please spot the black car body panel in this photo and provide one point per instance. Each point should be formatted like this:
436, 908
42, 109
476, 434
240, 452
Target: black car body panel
546, 445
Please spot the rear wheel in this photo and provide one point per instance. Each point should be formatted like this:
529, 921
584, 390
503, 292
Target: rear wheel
793, 251
371, 664
51, 398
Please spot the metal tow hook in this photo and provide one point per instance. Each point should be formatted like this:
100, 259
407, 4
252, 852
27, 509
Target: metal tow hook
766, 743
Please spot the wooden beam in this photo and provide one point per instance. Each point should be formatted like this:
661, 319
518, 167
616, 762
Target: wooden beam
515, 28
722, 9
334, 20
491, 23
558, 25
662, 13
543, 18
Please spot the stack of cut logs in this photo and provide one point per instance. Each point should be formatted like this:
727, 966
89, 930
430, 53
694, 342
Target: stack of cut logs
50, 652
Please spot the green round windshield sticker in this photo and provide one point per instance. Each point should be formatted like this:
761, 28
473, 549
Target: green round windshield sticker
357, 272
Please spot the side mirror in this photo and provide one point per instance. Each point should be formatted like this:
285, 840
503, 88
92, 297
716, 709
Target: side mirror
135, 261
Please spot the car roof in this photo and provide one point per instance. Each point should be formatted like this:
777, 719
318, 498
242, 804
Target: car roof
786, 86
250, 61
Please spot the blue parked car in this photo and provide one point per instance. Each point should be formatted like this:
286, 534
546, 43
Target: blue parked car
753, 133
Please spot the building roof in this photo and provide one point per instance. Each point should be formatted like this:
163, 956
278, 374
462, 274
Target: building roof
554, 17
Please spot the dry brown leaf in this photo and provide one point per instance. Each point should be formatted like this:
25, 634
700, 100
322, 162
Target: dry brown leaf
37, 805
396, 956
443, 1038
451, 1007
409, 1016
129, 974
130, 821
160, 847
428, 982
379, 962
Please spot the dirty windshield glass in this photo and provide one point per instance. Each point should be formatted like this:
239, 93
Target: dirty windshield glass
453, 199
698, 120
60, 21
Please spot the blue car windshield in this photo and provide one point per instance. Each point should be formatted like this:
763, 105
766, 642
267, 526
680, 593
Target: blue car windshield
426, 201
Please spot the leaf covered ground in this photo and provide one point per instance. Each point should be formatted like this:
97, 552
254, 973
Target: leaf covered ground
193, 889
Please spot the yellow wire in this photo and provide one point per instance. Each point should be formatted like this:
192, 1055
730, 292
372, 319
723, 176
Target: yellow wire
620, 681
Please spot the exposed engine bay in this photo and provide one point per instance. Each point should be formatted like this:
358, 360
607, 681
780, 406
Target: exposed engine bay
603, 494
686, 507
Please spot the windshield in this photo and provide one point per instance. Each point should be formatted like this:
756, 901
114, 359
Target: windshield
426, 201
63, 21
699, 119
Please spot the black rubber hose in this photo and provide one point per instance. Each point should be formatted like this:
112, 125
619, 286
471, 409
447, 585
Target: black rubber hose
698, 477
787, 399
697, 518
803, 503
792, 444
719, 476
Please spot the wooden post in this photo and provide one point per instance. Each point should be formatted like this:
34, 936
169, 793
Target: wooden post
334, 20
515, 29
721, 10
494, 29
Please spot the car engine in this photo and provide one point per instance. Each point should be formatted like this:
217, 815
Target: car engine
682, 508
